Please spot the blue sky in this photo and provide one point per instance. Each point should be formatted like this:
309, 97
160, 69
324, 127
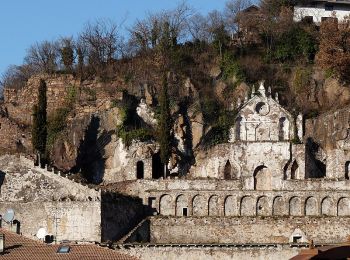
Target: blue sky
24, 22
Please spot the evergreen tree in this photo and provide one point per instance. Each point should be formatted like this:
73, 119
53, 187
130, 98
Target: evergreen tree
39, 128
67, 56
164, 130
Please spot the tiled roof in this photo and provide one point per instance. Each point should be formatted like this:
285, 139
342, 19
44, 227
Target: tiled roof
20, 248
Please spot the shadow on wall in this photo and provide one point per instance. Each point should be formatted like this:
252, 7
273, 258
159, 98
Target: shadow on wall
2, 179
90, 159
120, 214
314, 168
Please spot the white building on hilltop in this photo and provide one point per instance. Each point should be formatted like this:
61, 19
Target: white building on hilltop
319, 10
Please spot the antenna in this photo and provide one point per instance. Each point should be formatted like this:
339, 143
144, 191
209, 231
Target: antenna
9, 215
41, 233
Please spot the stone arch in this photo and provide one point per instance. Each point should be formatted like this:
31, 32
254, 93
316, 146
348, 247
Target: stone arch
231, 208
295, 208
199, 206
181, 205
247, 206
327, 207
262, 178
294, 171
140, 170
347, 164
311, 208
263, 207
166, 207
279, 206
213, 206
343, 207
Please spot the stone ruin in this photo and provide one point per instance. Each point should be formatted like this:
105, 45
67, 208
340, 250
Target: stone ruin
278, 181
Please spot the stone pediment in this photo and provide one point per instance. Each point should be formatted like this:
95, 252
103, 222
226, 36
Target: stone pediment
262, 118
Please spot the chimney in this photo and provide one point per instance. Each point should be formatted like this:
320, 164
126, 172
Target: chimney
2, 243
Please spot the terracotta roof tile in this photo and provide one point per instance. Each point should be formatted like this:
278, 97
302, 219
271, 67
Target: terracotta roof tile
20, 248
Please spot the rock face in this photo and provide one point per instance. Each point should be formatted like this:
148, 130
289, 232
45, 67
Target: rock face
124, 163
146, 113
14, 137
65, 150
81, 147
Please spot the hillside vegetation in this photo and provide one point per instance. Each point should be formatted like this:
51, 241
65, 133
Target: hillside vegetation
208, 63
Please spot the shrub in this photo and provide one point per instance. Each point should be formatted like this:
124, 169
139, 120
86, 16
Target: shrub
295, 43
140, 134
220, 132
301, 78
230, 68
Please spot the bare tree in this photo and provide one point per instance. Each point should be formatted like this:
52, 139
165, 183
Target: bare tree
43, 57
101, 40
232, 11
165, 28
16, 76
197, 27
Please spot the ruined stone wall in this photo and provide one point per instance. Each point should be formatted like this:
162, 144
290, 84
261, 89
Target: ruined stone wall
143, 188
91, 96
207, 230
250, 203
119, 215
40, 198
14, 138
271, 162
121, 163
331, 132
69, 220
20, 103
211, 253
21, 181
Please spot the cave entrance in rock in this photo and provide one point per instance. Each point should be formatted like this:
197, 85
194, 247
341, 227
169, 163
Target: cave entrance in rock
140, 170
157, 166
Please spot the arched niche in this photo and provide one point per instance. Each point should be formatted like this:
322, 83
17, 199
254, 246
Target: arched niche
347, 164
230, 171
247, 206
263, 206
295, 208
328, 207
231, 208
166, 206
344, 207
140, 170
283, 129
157, 166
279, 207
182, 206
294, 171
238, 128
311, 207
262, 178
199, 206
213, 206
